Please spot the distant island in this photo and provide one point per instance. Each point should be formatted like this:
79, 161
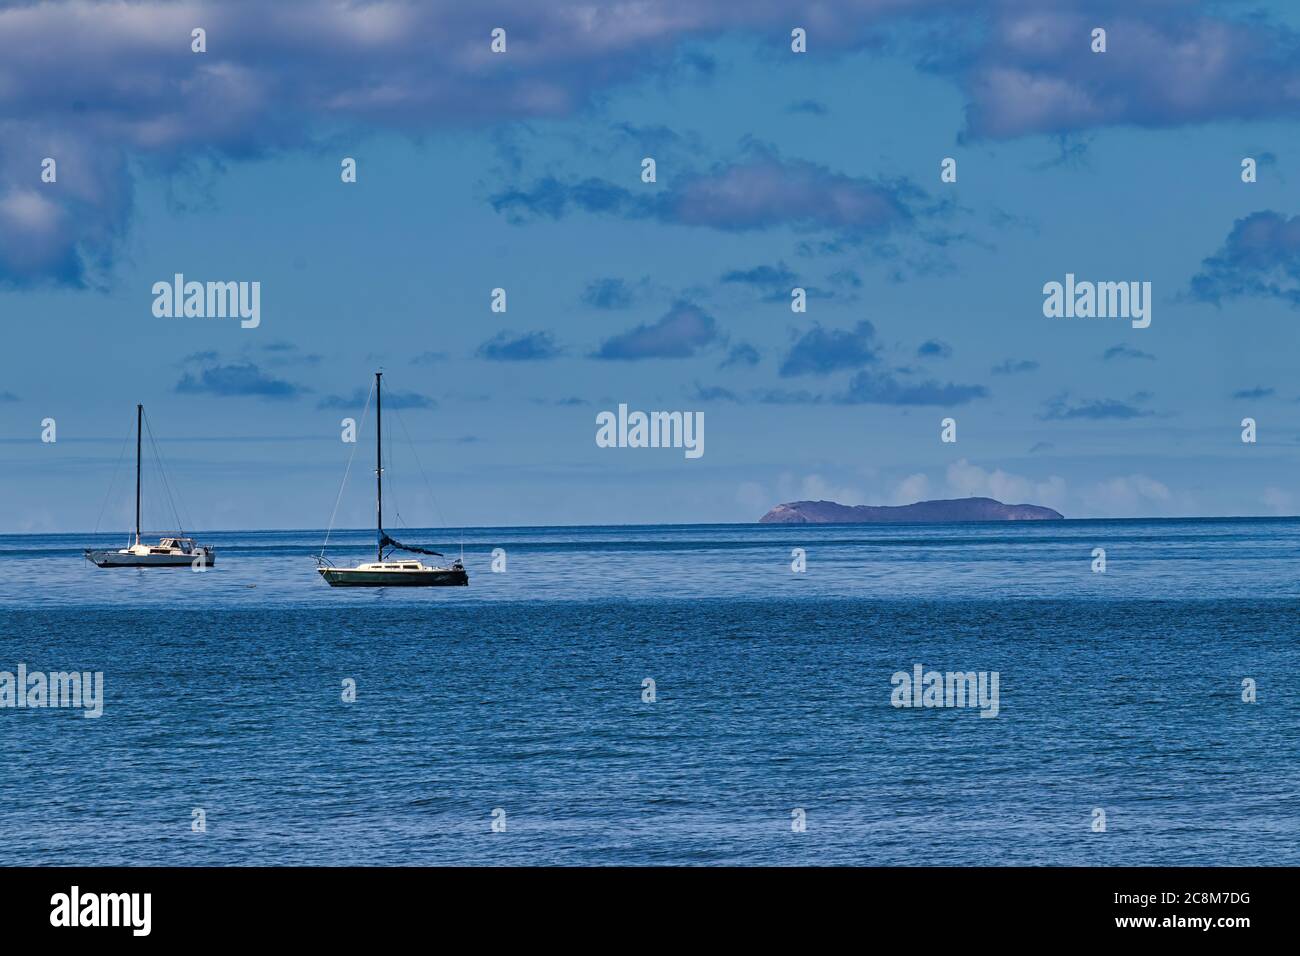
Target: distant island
953, 509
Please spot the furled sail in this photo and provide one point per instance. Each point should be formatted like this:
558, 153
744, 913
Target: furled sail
386, 542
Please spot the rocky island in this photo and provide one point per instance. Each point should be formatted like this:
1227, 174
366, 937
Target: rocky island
931, 512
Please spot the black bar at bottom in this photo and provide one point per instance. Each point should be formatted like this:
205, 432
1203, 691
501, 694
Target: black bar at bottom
337, 905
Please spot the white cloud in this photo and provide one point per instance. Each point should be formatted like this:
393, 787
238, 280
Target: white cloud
813, 487
966, 480
1278, 501
1128, 496
817, 488
911, 489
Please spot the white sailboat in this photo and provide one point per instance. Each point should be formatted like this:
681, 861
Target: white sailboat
386, 572
172, 551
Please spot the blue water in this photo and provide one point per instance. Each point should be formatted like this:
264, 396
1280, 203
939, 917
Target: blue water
1120, 691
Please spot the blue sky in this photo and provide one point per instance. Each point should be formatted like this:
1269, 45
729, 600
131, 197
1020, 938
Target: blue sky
774, 169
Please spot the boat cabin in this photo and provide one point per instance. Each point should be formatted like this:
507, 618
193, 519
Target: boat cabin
167, 545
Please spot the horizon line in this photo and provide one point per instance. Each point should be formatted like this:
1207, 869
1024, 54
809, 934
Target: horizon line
683, 524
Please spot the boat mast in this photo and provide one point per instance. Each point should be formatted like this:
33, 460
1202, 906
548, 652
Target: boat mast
379, 465
139, 415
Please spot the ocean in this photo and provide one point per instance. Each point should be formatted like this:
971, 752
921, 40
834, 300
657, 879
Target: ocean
513, 722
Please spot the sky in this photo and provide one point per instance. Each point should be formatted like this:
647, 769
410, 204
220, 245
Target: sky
523, 170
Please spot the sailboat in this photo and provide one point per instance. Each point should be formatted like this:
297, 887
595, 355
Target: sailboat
384, 571
173, 551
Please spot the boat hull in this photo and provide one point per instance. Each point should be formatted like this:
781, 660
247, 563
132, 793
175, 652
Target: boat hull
126, 559
359, 578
